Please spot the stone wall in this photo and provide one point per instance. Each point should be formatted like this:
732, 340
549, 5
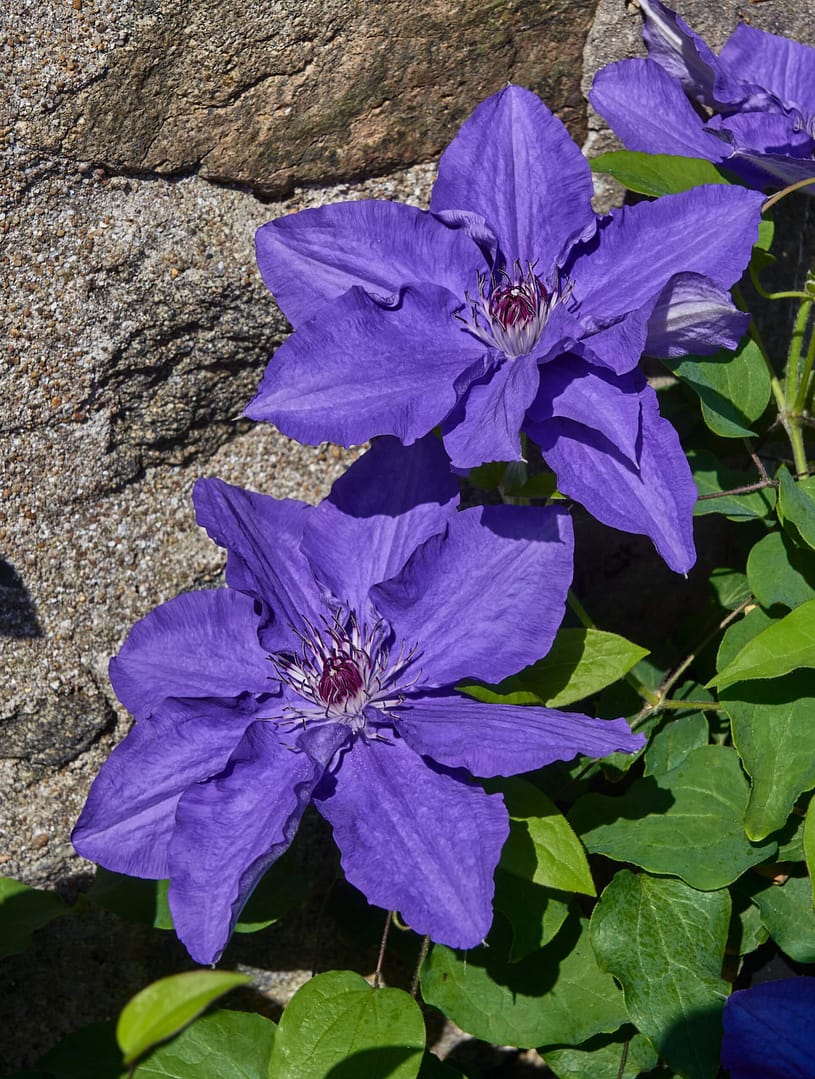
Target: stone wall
143, 142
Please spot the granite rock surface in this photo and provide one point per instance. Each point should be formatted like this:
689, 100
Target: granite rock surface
141, 145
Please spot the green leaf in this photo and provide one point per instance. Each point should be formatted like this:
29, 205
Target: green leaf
541, 846
780, 572
136, 900
731, 588
535, 914
600, 1058
734, 387
747, 931
557, 996
771, 723
796, 506
786, 911
336, 1025
145, 901
782, 647
809, 845
89, 1053
280, 889
665, 944
540, 485
488, 477
433, 1068
23, 910
579, 664
163, 1008
656, 174
711, 477
675, 738
766, 232
686, 823
220, 1045
790, 838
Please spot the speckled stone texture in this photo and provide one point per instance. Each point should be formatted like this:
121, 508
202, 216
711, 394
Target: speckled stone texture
141, 144
273, 94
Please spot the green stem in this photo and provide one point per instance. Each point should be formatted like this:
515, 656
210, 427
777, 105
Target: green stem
791, 380
799, 456
581, 612
795, 385
380, 959
623, 1060
674, 704
425, 948
803, 387
786, 191
793, 294
661, 698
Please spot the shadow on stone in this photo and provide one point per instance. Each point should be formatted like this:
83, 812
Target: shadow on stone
18, 618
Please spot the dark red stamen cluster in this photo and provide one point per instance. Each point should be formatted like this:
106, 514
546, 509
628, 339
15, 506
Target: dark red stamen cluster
340, 680
518, 302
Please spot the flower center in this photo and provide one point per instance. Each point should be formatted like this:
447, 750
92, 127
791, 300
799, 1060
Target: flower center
340, 680
511, 310
345, 672
515, 306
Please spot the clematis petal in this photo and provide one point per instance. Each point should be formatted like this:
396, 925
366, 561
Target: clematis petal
782, 66
572, 389
648, 112
361, 369
708, 230
311, 258
474, 226
765, 132
772, 170
693, 315
228, 832
417, 838
200, 644
768, 1030
506, 739
262, 535
129, 816
515, 164
686, 57
487, 424
466, 595
655, 500
379, 511
617, 343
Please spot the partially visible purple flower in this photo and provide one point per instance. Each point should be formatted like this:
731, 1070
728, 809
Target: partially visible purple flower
755, 101
510, 306
326, 672
768, 1031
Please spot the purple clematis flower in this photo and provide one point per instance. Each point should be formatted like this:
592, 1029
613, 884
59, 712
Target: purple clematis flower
510, 306
757, 97
768, 1031
326, 672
